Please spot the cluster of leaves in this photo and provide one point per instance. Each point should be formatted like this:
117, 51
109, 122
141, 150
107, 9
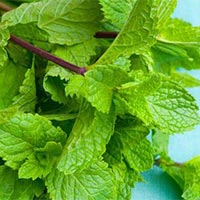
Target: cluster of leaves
68, 136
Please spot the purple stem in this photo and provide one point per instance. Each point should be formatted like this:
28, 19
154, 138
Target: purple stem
158, 162
5, 7
102, 34
47, 55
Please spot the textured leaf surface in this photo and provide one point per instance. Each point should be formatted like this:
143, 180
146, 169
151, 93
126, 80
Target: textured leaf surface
184, 79
136, 148
116, 12
26, 99
120, 151
131, 177
191, 172
139, 33
162, 103
178, 46
165, 9
160, 143
13, 188
95, 182
125, 177
173, 108
54, 82
4, 35
40, 163
97, 86
95, 145
78, 54
3, 57
87, 141
177, 31
25, 132
7, 113
64, 22
13, 77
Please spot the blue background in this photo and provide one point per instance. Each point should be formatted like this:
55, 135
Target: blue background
182, 147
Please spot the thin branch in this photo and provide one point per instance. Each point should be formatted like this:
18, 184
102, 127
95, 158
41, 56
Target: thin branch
50, 57
158, 162
104, 34
47, 55
4, 7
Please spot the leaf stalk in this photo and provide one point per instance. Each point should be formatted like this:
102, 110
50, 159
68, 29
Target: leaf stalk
47, 55
104, 34
159, 162
5, 7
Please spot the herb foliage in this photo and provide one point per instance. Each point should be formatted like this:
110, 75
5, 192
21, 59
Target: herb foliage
70, 136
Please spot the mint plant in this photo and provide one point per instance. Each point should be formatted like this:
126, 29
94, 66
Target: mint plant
81, 132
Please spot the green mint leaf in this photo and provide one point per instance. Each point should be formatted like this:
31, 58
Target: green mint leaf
126, 179
55, 78
40, 163
132, 135
11, 78
92, 131
95, 182
171, 57
13, 188
26, 99
58, 23
165, 9
97, 86
183, 111
184, 79
191, 172
126, 185
45, 130
140, 30
116, 12
56, 18
124, 175
160, 143
178, 46
162, 103
177, 31
4, 35
26, 132
7, 113
113, 154
54, 83
3, 57
96, 144
79, 54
